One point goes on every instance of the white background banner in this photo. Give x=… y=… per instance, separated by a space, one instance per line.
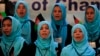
x=74 y=7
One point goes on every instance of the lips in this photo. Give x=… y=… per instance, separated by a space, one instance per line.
x=44 y=34
x=57 y=16
x=21 y=13
x=90 y=18
x=78 y=37
x=6 y=32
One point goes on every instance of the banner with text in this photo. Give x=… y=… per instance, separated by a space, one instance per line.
x=74 y=7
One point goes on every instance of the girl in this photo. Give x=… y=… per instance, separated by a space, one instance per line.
x=79 y=45
x=44 y=45
x=27 y=25
x=62 y=30
x=92 y=24
x=12 y=44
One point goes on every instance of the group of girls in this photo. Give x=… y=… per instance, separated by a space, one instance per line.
x=58 y=38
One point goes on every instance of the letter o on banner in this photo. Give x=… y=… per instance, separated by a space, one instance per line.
x=34 y=7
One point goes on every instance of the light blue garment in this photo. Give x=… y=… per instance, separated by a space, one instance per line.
x=62 y=32
x=13 y=40
x=25 y=23
x=46 y=46
x=93 y=27
x=82 y=47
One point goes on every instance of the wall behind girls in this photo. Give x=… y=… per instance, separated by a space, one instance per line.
x=74 y=7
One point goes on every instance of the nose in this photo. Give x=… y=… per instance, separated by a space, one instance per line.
x=89 y=14
x=57 y=12
x=44 y=30
x=77 y=33
x=21 y=9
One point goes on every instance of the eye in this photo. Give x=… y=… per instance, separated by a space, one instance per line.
x=92 y=12
x=41 y=28
x=46 y=27
x=59 y=11
x=54 y=11
x=80 y=31
x=9 y=25
x=23 y=7
x=74 y=31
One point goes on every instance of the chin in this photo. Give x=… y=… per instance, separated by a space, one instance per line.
x=78 y=40
x=44 y=37
x=57 y=19
x=7 y=34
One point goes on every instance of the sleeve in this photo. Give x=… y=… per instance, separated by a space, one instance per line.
x=1 y=53
x=24 y=51
x=32 y=49
x=33 y=32
x=58 y=50
x=69 y=38
x=98 y=51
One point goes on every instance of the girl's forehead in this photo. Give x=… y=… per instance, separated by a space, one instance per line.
x=90 y=8
x=56 y=6
x=8 y=20
x=45 y=25
x=78 y=29
x=21 y=4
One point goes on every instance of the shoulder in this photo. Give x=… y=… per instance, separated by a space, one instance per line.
x=32 y=22
x=25 y=44
x=19 y=42
x=32 y=49
x=1 y=52
x=66 y=50
x=55 y=44
x=90 y=50
x=24 y=50
x=20 y=39
x=68 y=47
x=69 y=26
x=32 y=45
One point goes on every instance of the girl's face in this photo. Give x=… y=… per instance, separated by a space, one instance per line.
x=44 y=31
x=90 y=14
x=57 y=13
x=21 y=10
x=7 y=27
x=78 y=35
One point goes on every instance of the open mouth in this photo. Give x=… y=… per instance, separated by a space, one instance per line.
x=6 y=32
x=89 y=18
x=78 y=37
x=21 y=13
x=44 y=34
x=57 y=16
